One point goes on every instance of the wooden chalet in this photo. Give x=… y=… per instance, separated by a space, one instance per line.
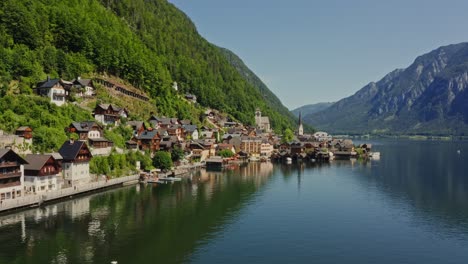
x=41 y=172
x=190 y=131
x=100 y=143
x=138 y=127
x=109 y=114
x=131 y=144
x=175 y=130
x=86 y=129
x=24 y=131
x=83 y=87
x=11 y=174
x=148 y=140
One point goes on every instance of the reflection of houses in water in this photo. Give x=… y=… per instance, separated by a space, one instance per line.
x=258 y=172
x=77 y=207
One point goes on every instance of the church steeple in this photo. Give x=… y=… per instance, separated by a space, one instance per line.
x=300 y=129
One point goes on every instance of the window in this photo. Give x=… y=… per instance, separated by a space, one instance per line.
x=18 y=194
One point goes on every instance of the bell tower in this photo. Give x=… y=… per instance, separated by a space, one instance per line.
x=300 y=128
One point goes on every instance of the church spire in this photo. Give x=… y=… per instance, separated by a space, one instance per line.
x=300 y=129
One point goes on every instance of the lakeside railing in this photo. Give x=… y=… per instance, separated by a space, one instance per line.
x=36 y=199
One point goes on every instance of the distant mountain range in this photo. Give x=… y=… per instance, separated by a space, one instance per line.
x=310 y=109
x=428 y=97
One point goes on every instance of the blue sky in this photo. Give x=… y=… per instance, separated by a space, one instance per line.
x=322 y=51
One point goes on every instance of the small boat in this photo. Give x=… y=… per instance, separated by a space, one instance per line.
x=288 y=160
x=374 y=155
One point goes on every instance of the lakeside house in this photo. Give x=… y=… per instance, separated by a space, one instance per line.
x=41 y=173
x=75 y=164
x=11 y=174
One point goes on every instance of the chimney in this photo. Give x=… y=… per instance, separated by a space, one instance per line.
x=78 y=78
x=72 y=141
x=48 y=78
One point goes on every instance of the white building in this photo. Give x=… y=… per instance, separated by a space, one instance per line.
x=75 y=165
x=266 y=149
x=322 y=136
x=41 y=173
x=262 y=122
x=55 y=89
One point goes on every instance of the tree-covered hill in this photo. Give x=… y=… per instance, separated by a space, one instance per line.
x=269 y=97
x=149 y=43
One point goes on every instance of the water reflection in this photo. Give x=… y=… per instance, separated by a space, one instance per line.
x=429 y=176
x=135 y=224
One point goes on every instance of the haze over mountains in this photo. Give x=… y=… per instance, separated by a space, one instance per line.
x=428 y=97
x=311 y=108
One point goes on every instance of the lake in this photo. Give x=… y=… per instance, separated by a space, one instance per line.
x=411 y=206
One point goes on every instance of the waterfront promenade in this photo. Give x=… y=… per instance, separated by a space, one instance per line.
x=37 y=199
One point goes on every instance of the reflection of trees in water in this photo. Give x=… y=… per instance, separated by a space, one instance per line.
x=134 y=226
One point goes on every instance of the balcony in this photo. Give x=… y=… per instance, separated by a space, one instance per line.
x=9 y=175
x=6 y=164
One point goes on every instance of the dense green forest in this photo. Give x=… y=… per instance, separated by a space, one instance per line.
x=149 y=43
x=47 y=120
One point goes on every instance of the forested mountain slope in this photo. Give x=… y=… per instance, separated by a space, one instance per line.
x=149 y=43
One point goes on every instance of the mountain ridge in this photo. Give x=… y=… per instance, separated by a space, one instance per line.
x=427 y=97
x=311 y=108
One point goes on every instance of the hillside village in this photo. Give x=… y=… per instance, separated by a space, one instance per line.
x=25 y=173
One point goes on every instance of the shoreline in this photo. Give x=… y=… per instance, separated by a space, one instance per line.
x=36 y=200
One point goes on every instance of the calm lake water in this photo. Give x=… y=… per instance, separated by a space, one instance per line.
x=411 y=206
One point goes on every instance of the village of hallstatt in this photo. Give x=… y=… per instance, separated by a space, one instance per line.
x=31 y=179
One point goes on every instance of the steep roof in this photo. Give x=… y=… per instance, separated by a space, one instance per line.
x=36 y=161
x=70 y=149
x=148 y=134
x=106 y=106
x=49 y=83
x=82 y=82
x=189 y=128
x=135 y=124
x=84 y=126
x=8 y=152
